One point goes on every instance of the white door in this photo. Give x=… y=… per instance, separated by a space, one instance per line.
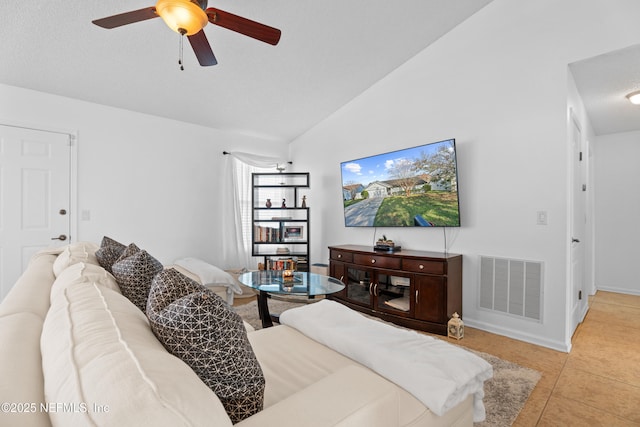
x=578 y=295
x=34 y=197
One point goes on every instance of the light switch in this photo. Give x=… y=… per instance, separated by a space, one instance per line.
x=542 y=217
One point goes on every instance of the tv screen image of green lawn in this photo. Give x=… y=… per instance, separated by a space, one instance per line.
x=405 y=188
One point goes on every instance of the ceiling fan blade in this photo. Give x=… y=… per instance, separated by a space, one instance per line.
x=126 y=18
x=244 y=26
x=202 y=49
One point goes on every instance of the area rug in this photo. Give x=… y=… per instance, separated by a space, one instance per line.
x=505 y=394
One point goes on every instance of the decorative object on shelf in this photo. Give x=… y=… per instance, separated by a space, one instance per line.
x=280 y=168
x=304 y=201
x=268 y=204
x=293 y=232
x=455 y=327
x=284 y=203
x=388 y=245
x=384 y=241
x=282 y=251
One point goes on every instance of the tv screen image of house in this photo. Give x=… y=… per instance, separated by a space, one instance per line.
x=412 y=187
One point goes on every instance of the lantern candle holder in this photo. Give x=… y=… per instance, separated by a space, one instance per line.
x=455 y=327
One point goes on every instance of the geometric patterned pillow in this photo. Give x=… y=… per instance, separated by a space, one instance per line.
x=109 y=252
x=168 y=286
x=134 y=275
x=132 y=249
x=202 y=330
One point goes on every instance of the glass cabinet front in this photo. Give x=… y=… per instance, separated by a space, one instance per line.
x=392 y=293
x=378 y=290
x=358 y=284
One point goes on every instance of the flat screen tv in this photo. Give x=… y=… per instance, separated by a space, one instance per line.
x=413 y=187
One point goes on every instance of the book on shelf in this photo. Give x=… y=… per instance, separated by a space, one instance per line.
x=266 y=234
x=281 y=264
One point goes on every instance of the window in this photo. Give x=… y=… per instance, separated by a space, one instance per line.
x=243 y=176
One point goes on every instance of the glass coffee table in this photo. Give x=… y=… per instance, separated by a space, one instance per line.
x=301 y=284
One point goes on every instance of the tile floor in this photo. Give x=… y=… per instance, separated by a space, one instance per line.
x=597 y=384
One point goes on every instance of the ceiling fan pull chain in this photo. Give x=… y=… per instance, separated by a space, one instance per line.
x=180 y=52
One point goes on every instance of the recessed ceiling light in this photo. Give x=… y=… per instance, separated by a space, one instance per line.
x=634 y=97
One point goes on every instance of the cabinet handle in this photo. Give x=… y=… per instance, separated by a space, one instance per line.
x=375 y=289
x=373 y=261
x=339 y=256
x=341 y=277
x=370 y=284
x=421 y=267
x=417 y=296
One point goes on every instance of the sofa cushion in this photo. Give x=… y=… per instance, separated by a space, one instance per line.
x=74 y=253
x=98 y=349
x=31 y=290
x=350 y=397
x=83 y=273
x=21 y=371
x=109 y=252
x=205 y=333
x=134 y=274
x=298 y=362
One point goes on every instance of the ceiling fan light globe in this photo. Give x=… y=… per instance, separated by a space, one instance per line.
x=182 y=16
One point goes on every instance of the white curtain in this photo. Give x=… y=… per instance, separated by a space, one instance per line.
x=236 y=213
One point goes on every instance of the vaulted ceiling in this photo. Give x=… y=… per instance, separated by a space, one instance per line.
x=329 y=53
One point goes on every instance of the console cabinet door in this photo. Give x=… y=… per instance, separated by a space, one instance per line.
x=430 y=298
x=358 y=283
x=339 y=271
x=392 y=293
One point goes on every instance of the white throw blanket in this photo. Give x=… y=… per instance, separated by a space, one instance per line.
x=437 y=373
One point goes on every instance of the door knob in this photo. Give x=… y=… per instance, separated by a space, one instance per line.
x=62 y=237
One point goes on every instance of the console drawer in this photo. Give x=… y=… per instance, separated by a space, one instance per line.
x=422 y=266
x=341 y=255
x=377 y=261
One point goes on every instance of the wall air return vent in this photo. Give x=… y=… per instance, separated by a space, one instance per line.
x=511 y=286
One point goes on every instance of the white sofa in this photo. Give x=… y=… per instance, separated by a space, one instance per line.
x=76 y=352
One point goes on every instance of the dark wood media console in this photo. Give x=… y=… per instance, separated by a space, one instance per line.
x=417 y=289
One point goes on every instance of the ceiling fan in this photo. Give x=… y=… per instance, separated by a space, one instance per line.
x=188 y=17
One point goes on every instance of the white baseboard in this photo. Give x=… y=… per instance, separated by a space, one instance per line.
x=518 y=335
